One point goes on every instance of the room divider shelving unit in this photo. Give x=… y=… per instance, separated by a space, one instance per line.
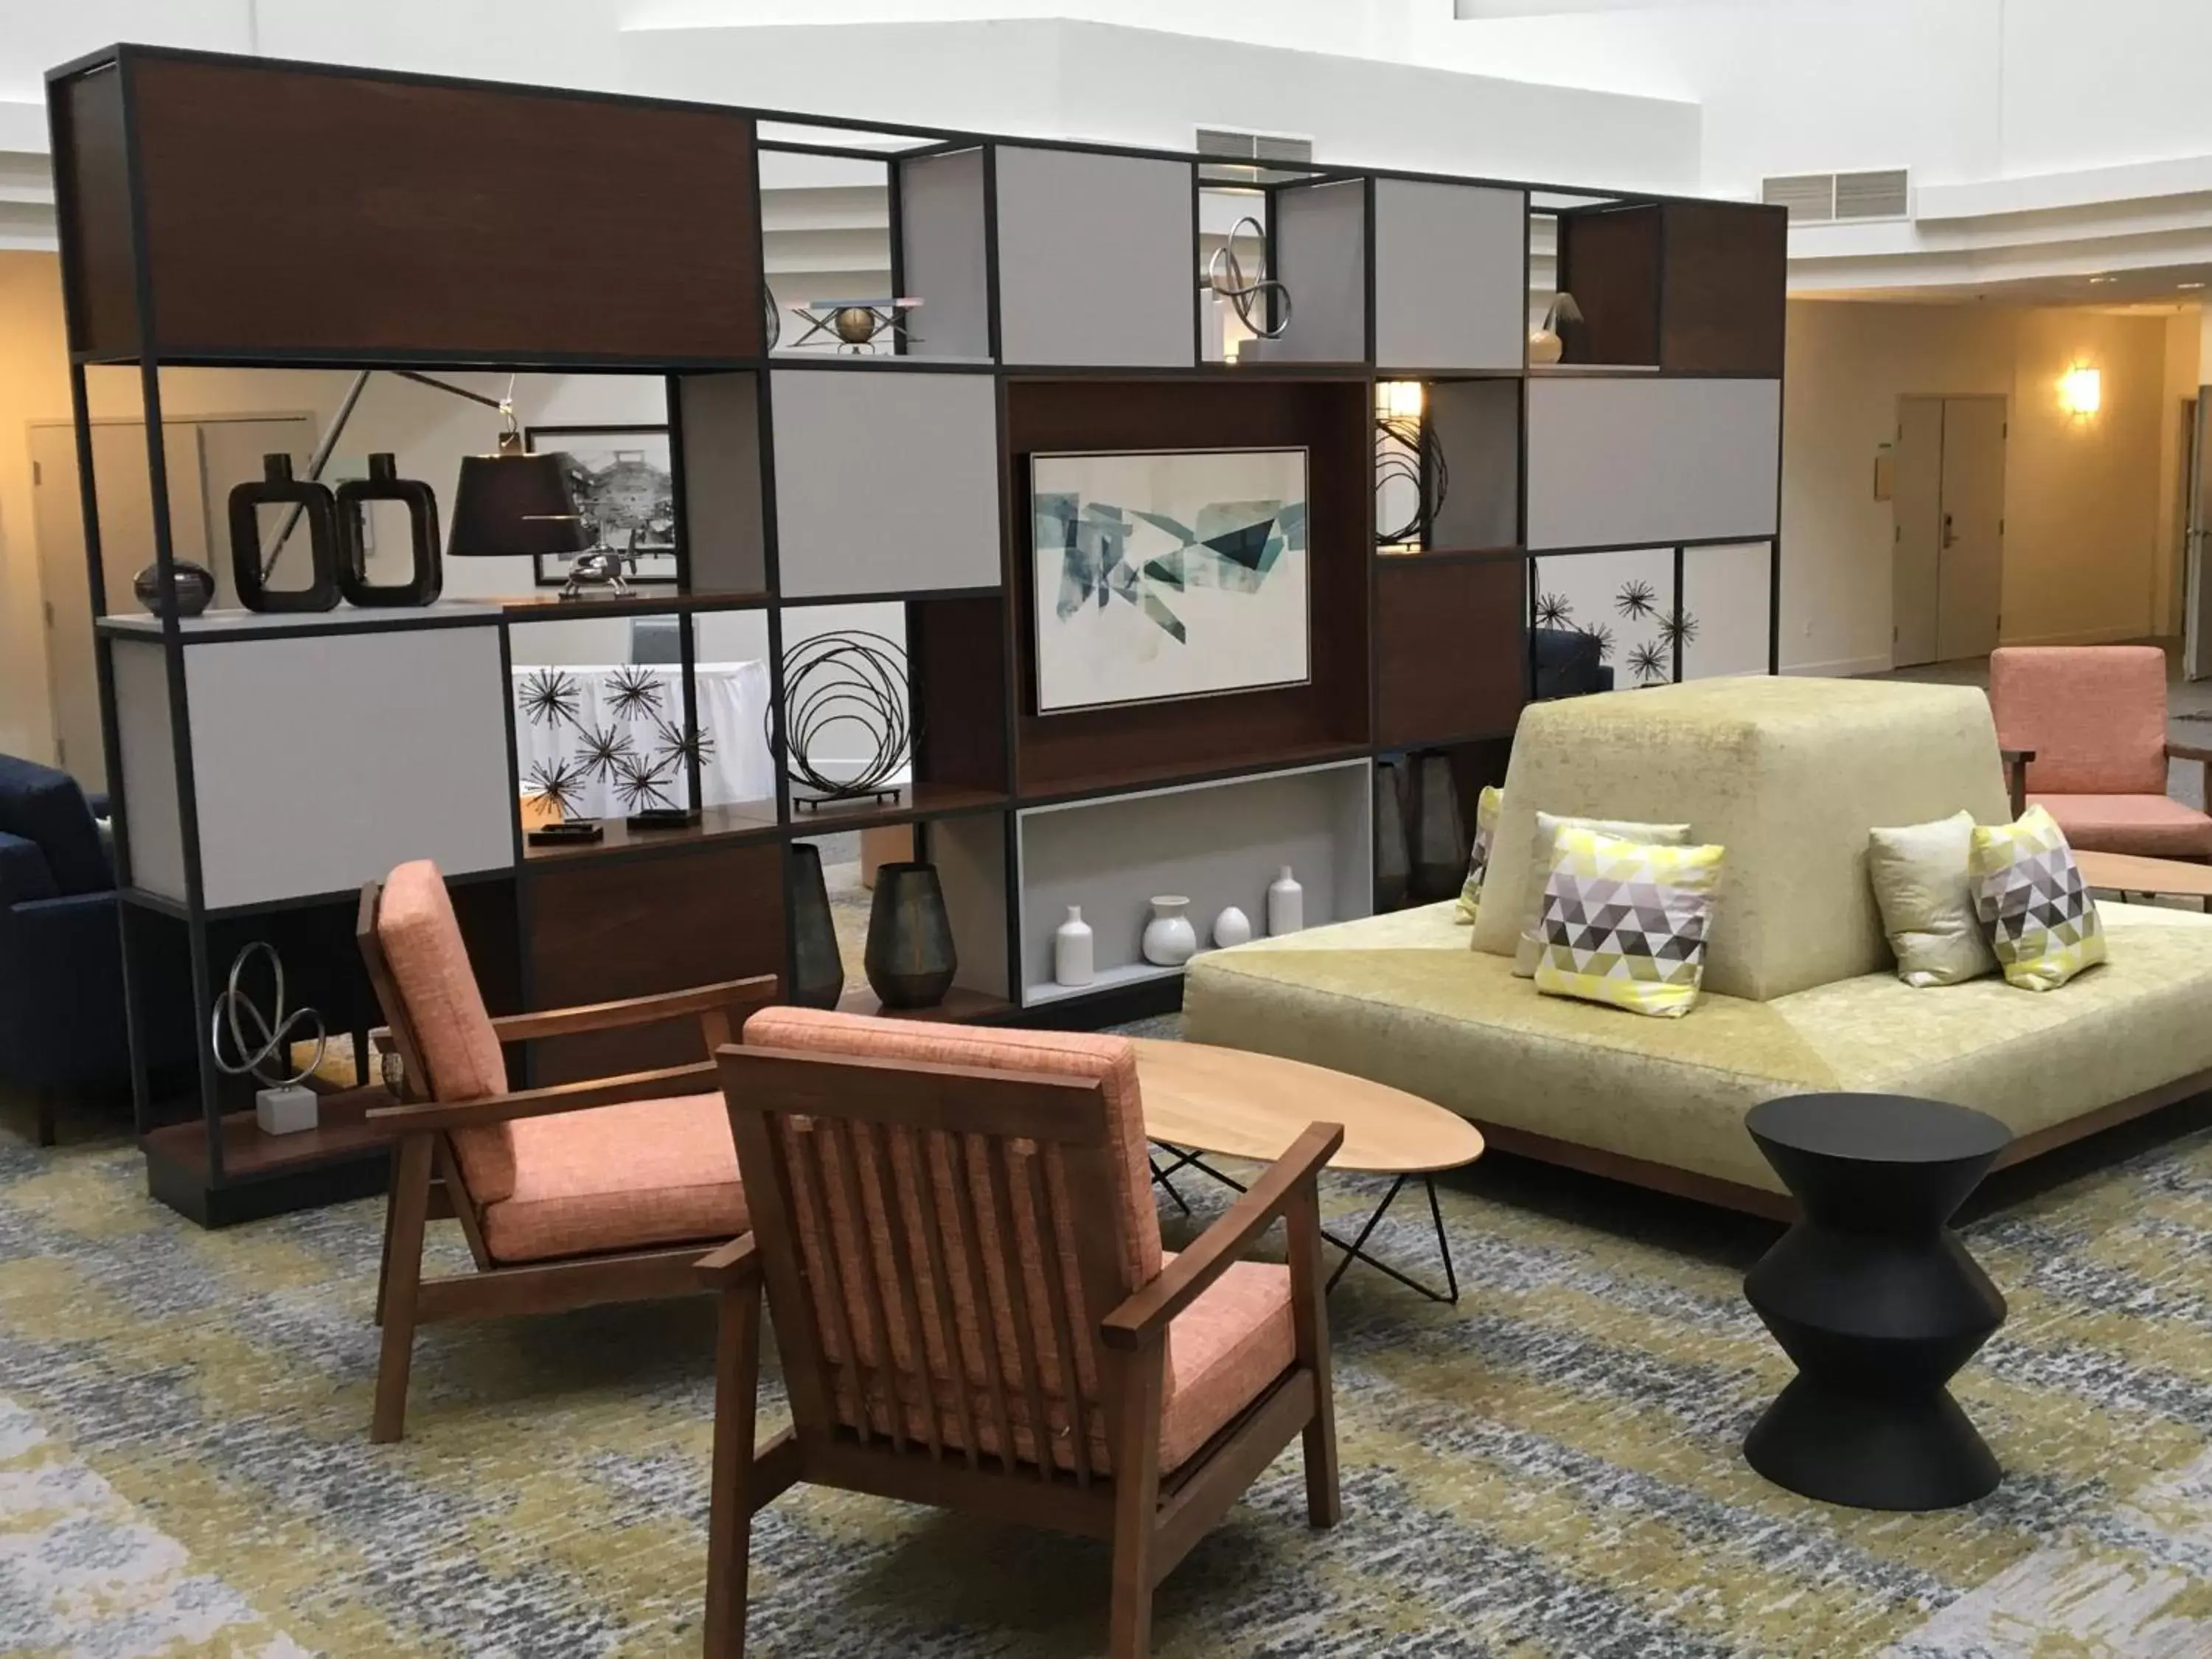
x=230 y=211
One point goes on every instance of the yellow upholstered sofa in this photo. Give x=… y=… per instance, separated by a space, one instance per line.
x=1800 y=991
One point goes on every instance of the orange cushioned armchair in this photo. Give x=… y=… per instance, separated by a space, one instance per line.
x=583 y=1192
x=956 y=1234
x=2084 y=732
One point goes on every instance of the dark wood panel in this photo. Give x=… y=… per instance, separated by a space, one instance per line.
x=293 y=210
x=1332 y=420
x=1609 y=261
x=91 y=201
x=630 y=927
x=1451 y=645
x=1726 y=288
x=957 y=650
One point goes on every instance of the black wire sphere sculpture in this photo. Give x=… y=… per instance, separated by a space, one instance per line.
x=849 y=678
x=1407 y=452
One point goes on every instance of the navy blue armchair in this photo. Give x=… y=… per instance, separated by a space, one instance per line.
x=61 y=944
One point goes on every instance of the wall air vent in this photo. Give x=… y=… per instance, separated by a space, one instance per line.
x=1815 y=198
x=1887 y=194
x=1254 y=150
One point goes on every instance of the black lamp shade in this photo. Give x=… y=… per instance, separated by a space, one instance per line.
x=514 y=505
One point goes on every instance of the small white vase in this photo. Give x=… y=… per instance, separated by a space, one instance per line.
x=1287 y=905
x=1170 y=939
x=1071 y=949
x=1231 y=927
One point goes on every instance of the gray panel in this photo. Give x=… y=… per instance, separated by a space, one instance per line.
x=1476 y=425
x=722 y=507
x=970 y=856
x=885 y=481
x=1615 y=461
x=149 y=768
x=321 y=763
x=1097 y=259
x=943 y=258
x=1321 y=255
x=1450 y=285
x=1216 y=844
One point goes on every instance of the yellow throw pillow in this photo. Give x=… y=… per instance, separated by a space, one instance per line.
x=2029 y=898
x=1530 y=949
x=1625 y=922
x=1486 y=830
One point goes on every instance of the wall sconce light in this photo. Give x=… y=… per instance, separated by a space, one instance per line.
x=1398 y=399
x=2082 y=391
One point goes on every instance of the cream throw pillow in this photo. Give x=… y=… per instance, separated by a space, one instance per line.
x=1530 y=950
x=1487 y=805
x=1920 y=881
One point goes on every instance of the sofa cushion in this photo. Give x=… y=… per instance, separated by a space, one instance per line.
x=1230 y=1343
x=25 y=874
x=619 y=1177
x=1919 y=875
x=47 y=806
x=1624 y=922
x=2093 y=714
x=2028 y=893
x=2153 y=826
x=1789 y=775
x=1528 y=949
x=1400 y=999
x=429 y=962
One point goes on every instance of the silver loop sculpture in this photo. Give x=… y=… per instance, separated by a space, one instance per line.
x=1225 y=274
x=273 y=1037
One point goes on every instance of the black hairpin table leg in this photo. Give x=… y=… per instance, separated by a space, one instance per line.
x=1357 y=1249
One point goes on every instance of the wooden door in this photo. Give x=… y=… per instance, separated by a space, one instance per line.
x=1916 y=507
x=1970 y=571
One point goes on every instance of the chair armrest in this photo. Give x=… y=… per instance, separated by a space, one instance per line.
x=2189 y=751
x=637 y=1010
x=1145 y=1316
x=736 y=1263
x=440 y=1117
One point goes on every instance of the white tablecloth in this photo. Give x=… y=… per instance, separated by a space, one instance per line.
x=573 y=712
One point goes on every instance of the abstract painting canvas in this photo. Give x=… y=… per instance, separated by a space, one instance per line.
x=1167 y=574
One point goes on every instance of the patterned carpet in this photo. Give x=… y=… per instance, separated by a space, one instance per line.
x=1550 y=1468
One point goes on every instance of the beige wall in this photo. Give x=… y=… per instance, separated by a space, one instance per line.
x=2089 y=529
x=33 y=385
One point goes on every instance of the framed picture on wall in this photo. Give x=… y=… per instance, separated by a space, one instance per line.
x=1169 y=573
x=625 y=489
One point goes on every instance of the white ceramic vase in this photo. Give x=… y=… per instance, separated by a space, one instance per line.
x=1287 y=905
x=1071 y=949
x=1231 y=927
x=1170 y=939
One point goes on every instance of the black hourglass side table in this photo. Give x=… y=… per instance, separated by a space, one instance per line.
x=1876 y=1299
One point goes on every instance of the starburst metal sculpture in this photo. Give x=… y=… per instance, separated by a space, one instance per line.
x=557 y=783
x=1637 y=600
x=1602 y=636
x=1554 y=611
x=675 y=747
x=1649 y=663
x=634 y=693
x=642 y=784
x=549 y=696
x=604 y=748
x=1677 y=628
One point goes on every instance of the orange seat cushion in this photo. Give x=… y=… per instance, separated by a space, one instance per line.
x=619 y=1178
x=2153 y=826
x=1222 y=1350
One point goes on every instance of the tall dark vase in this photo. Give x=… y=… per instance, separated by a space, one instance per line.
x=278 y=488
x=818 y=971
x=1439 y=834
x=1393 y=867
x=384 y=483
x=910 y=958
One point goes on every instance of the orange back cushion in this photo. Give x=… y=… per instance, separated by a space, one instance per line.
x=1109 y=1060
x=429 y=962
x=2094 y=716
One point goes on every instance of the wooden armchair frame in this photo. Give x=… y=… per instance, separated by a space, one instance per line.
x=1151 y=1522
x=427 y=1184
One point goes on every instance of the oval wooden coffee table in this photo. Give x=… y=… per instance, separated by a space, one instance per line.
x=1202 y=1101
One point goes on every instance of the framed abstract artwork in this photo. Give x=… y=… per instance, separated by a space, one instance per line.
x=625 y=490
x=1164 y=574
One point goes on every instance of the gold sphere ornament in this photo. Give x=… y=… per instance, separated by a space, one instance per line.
x=855 y=325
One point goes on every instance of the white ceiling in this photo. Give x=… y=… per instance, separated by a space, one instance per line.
x=2159 y=289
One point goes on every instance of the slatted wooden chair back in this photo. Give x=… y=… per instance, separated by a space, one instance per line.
x=938 y=1243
